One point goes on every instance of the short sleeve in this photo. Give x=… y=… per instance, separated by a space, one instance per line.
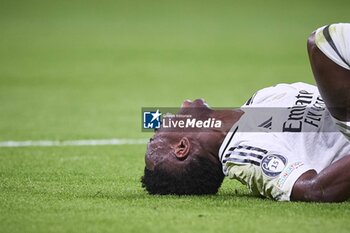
x=334 y=41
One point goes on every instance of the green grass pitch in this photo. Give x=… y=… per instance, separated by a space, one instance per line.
x=73 y=70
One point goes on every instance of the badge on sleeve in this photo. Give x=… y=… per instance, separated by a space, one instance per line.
x=273 y=164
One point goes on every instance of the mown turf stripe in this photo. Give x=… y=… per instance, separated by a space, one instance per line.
x=90 y=142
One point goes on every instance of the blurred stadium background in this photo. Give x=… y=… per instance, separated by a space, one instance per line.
x=72 y=70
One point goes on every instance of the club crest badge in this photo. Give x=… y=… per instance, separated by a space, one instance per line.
x=273 y=164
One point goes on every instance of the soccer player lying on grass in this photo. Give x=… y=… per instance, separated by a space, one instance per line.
x=303 y=155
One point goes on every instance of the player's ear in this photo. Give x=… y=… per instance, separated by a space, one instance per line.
x=182 y=149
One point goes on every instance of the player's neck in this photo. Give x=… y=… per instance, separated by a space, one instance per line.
x=228 y=118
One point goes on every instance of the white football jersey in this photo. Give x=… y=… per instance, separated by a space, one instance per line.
x=285 y=131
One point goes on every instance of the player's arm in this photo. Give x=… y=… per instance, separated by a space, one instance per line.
x=331 y=68
x=331 y=185
x=330 y=62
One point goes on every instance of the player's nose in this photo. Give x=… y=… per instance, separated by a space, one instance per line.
x=199 y=102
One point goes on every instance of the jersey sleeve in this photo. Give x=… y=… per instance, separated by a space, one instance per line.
x=269 y=173
x=334 y=41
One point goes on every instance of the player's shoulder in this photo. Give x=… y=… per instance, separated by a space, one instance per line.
x=276 y=92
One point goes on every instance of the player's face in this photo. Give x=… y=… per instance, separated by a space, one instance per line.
x=175 y=148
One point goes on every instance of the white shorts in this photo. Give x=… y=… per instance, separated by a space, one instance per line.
x=334 y=41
